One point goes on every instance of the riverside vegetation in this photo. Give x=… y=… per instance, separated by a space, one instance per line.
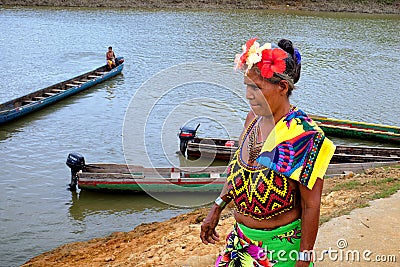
x=359 y=6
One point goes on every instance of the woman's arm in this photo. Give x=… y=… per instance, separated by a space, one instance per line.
x=310 y=205
x=208 y=232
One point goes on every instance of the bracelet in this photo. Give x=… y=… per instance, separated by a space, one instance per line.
x=220 y=202
x=304 y=255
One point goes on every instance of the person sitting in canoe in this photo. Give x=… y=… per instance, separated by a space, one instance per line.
x=275 y=177
x=111 y=58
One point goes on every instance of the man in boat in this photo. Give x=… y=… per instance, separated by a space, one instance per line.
x=275 y=176
x=111 y=58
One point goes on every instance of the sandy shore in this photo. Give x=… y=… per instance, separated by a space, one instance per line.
x=359 y=6
x=366 y=237
x=176 y=242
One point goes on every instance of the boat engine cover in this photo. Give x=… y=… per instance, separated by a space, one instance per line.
x=75 y=161
x=187 y=133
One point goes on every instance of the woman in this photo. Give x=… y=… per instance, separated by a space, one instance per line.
x=275 y=176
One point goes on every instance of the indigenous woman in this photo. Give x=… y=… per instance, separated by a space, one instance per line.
x=275 y=176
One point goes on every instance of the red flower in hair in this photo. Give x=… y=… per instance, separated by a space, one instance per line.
x=272 y=61
x=246 y=48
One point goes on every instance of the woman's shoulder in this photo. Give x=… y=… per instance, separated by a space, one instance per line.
x=304 y=121
x=249 y=118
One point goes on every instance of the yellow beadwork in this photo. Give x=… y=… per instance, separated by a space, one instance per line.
x=259 y=203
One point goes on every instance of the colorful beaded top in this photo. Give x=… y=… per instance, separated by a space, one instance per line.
x=296 y=149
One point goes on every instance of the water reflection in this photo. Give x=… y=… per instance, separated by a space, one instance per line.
x=113 y=84
x=86 y=203
x=16 y=127
x=89 y=203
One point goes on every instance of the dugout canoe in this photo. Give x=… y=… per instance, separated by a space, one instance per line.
x=223 y=149
x=356 y=129
x=111 y=177
x=29 y=103
x=131 y=178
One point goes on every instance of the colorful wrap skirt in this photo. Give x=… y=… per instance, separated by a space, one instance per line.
x=248 y=247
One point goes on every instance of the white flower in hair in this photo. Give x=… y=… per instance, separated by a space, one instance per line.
x=254 y=54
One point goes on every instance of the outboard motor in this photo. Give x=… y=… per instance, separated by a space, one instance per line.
x=187 y=134
x=119 y=61
x=76 y=162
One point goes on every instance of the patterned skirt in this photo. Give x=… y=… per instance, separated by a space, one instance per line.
x=248 y=247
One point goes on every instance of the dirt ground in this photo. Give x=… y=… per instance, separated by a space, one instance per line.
x=176 y=242
x=366 y=237
x=359 y=6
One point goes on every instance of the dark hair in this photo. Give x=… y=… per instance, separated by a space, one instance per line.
x=293 y=63
x=110 y=47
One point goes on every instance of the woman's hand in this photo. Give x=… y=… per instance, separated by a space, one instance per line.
x=208 y=232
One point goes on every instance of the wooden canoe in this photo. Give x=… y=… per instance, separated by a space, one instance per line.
x=122 y=177
x=360 y=130
x=136 y=179
x=29 y=103
x=223 y=149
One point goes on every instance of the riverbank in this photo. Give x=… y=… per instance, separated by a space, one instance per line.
x=359 y=6
x=176 y=242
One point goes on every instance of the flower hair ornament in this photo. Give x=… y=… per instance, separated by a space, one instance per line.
x=268 y=59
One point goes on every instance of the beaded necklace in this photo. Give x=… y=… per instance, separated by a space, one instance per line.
x=254 y=146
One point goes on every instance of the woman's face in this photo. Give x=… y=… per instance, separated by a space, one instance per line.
x=264 y=97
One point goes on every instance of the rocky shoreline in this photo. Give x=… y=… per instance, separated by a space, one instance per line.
x=358 y=6
x=176 y=242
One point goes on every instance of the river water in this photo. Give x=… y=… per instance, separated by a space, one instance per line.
x=350 y=71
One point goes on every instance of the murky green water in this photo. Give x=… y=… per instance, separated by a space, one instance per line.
x=350 y=71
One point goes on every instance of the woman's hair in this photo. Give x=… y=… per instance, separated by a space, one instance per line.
x=293 y=66
x=293 y=63
x=272 y=62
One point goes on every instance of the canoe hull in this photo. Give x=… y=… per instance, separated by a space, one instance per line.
x=20 y=111
x=152 y=186
x=359 y=130
x=121 y=177
x=214 y=149
x=116 y=179
x=350 y=133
